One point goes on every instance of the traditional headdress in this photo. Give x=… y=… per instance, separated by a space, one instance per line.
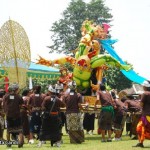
x=13 y=87
x=146 y=84
x=52 y=89
x=72 y=85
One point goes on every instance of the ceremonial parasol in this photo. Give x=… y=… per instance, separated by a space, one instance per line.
x=15 y=54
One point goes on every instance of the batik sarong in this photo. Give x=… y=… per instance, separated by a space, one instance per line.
x=75 y=127
x=119 y=122
x=2 y=123
x=14 y=125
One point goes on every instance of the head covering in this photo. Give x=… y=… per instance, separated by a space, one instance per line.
x=52 y=89
x=146 y=83
x=140 y=92
x=72 y=85
x=2 y=93
x=58 y=87
x=13 y=87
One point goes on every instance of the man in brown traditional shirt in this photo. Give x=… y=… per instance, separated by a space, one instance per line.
x=35 y=105
x=51 y=122
x=133 y=105
x=73 y=102
x=11 y=103
x=107 y=112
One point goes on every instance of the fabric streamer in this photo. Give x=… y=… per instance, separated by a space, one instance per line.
x=131 y=75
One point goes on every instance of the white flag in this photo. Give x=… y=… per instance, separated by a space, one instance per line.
x=30 y=83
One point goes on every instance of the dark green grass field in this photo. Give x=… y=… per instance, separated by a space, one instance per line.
x=92 y=142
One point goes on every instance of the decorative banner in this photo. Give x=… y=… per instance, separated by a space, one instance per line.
x=15 y=54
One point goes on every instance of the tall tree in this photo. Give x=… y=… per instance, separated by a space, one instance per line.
x=67 y=31
x=116 y=80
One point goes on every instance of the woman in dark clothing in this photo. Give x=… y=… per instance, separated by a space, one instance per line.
x=51 y=122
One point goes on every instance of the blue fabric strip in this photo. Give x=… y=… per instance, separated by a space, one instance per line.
x=131 y=75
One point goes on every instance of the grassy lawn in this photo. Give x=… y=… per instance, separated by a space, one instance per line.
x=92 y=142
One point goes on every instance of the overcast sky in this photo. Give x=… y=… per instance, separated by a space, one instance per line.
x=131 y=26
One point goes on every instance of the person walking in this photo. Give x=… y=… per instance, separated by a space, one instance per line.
x=107 y=112
x=51 y=122
x=73 y=102
x=12 y=102
x=35 y=105
x=120 y=112
x=88 y=122
x=25 y=113
x=134 y=107
x=143 y=127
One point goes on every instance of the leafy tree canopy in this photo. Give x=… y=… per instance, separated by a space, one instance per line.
x=67 y=31
x=116 y=80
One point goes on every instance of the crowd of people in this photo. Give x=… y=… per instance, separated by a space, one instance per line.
x=33 y=114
